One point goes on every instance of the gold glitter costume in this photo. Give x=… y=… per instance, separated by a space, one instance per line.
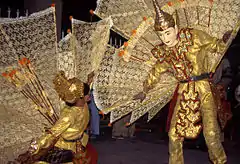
x=188 y=58
x=68 y=132
x=71 y=125
x=73 y=120
x=30 y=57
x=195 y=100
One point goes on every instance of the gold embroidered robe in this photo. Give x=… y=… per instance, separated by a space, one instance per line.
x=196 y=53
x=71 y=125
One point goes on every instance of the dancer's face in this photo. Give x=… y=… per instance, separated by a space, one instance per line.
x=169 y=36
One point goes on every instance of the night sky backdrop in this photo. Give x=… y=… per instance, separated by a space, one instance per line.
x=79 y=9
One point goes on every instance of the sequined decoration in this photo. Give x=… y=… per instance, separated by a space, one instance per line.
x=189 y=114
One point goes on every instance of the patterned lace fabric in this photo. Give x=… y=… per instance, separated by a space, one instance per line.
x=66 y=56
x=127 y=16
x=90 y=40
x=33 y=37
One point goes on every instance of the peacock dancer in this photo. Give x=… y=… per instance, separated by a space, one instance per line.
x=30 y=58
x=183 y=65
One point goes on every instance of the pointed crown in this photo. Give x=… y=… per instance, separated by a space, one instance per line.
x=163 y=20
x=69 y=90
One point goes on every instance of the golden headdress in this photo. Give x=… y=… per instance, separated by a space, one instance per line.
x=163 y=20
x=69 y=90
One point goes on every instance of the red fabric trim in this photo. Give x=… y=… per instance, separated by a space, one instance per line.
x=171 y=109
x=91 y=152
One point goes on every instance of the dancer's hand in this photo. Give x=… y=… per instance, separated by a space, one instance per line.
x=90 y=77
x=140 y=96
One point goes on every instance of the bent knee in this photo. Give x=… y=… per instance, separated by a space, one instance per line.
x=211 y=136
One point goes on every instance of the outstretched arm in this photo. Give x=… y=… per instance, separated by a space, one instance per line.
x=152 y=80
x=154 y=76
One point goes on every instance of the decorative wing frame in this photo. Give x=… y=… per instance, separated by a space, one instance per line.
x=32 y=38
x=90 y=42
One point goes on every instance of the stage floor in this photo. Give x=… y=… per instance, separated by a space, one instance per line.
x=147 y=148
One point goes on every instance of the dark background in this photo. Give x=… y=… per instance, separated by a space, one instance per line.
x=79 y=9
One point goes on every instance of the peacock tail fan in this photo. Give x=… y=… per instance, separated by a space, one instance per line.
x=66 y=56
x=28 y=53
x=89 y=44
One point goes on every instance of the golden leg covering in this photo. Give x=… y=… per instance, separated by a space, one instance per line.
x=212 y=131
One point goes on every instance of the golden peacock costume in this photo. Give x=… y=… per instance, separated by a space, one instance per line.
x=68 y=133
x=193 y=99
x=181 y=72
x=30 y=58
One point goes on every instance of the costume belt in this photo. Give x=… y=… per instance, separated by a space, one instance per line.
x=197 y=78
x=79 y=147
